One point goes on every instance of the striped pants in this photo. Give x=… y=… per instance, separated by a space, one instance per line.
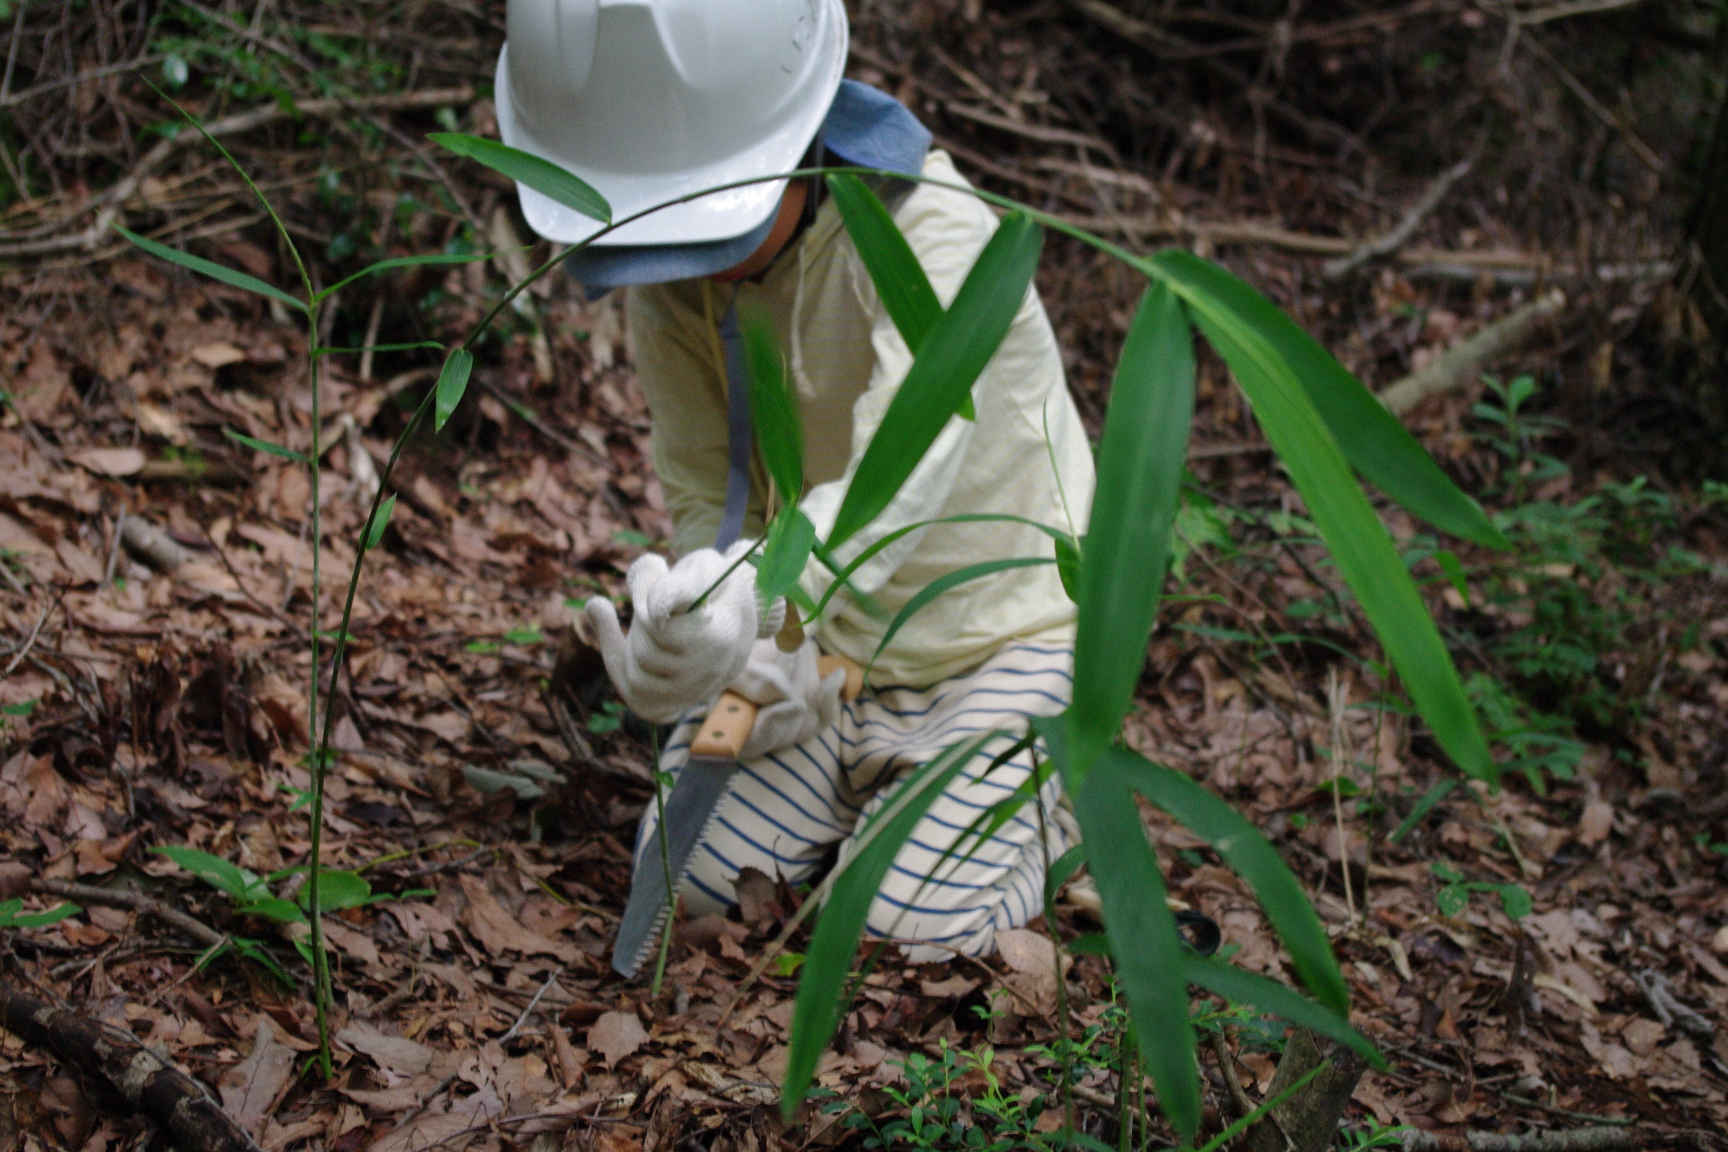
x=784 y=811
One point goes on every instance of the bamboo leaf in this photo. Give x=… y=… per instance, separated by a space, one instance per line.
x=1245 y=987
x=404 y=262
x=900 y=280
x=785 y=553
x=853 y=889
x=1246 y=851
x=543 y=176
x=779 y=434
x=945 y=582
x=12 y=914
x=1374 y=441
x=258 y=445
x=1140 y=461
x=380 y=522
x=211 y=269
x=1358 y=542
x=452 y=383
x=1143 y=936
x=948 y=363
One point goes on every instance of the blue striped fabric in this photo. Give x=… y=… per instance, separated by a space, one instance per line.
x=785 y=811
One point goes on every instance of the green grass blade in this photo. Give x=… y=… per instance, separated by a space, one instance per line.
x=452 y=383
x=942 y=584
x=1430 y=798
x=1248 y=988
x=1357 y=540
x=843 y=574
x=947 y=365
x=852 y=890
x=211 y=269
x=779 y=433
x=258 y=445
x=404 y=262
x=1140 y=462
x=1246 y=851
x=543 y=176
x=415 y=346
x=899 y=278
x=1143 y=939
x=1374 y=441
x=785 y=552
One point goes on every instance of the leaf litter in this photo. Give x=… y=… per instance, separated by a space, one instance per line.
x=148 y=703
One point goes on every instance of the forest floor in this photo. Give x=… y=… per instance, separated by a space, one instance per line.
x=1548 y=955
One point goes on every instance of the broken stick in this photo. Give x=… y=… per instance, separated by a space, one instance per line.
x=1459 y=365
x=146 y=1081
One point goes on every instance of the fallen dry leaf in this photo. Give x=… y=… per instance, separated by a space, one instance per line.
x=251 y=1086
x=217 y=354
x=616 y=1035
x=1596 y=822
x=500 y=932
x=109 y=461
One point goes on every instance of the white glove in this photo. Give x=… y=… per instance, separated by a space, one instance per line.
x=797 y=702
x=673 y=659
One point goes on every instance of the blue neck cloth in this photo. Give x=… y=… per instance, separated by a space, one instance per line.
x=864 y=127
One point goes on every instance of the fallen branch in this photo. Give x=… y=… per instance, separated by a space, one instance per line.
x=133 y=902
x=1459 y=365
x=1401 y=232
x=147 y=1082
x=1572 y=1140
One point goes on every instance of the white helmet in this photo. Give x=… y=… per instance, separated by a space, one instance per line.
x=648 y=100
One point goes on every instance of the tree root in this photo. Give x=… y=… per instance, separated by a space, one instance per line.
x=147 y=1082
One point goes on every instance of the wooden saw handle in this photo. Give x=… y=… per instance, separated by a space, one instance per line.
x=731 y=719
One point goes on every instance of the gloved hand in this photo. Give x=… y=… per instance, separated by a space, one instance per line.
x=673 y=659
x=797 y=702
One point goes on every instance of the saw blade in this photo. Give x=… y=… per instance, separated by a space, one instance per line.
x=690 y=809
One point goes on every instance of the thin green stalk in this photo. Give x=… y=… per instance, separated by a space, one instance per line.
x=321 y=993
x=708 y=591
x=1056 y=954
x=660 y=783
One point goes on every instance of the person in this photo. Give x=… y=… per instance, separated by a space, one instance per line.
x=651 y=101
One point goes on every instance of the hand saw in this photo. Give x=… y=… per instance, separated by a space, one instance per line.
x=690 y=810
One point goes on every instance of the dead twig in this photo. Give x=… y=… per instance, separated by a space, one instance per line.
x=1227 y=1066
x=109 y=202
x=532 y=1004
x=42 y=618
x=1458 y=366
x=1400 y=233
x=1601 y=111
x=134 y=902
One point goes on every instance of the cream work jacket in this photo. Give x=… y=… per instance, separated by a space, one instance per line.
x=1026 y=454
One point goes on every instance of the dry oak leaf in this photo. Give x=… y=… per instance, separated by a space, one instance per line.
x=251 y=1086
x=1032 y=957
x=498 y=931
x=109 y=461
x=616 y=1035
x=395 y=1054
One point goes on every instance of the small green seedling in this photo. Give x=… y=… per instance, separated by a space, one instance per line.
x=1455 y=891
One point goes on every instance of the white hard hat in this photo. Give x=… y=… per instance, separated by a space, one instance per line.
x=648 y=100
